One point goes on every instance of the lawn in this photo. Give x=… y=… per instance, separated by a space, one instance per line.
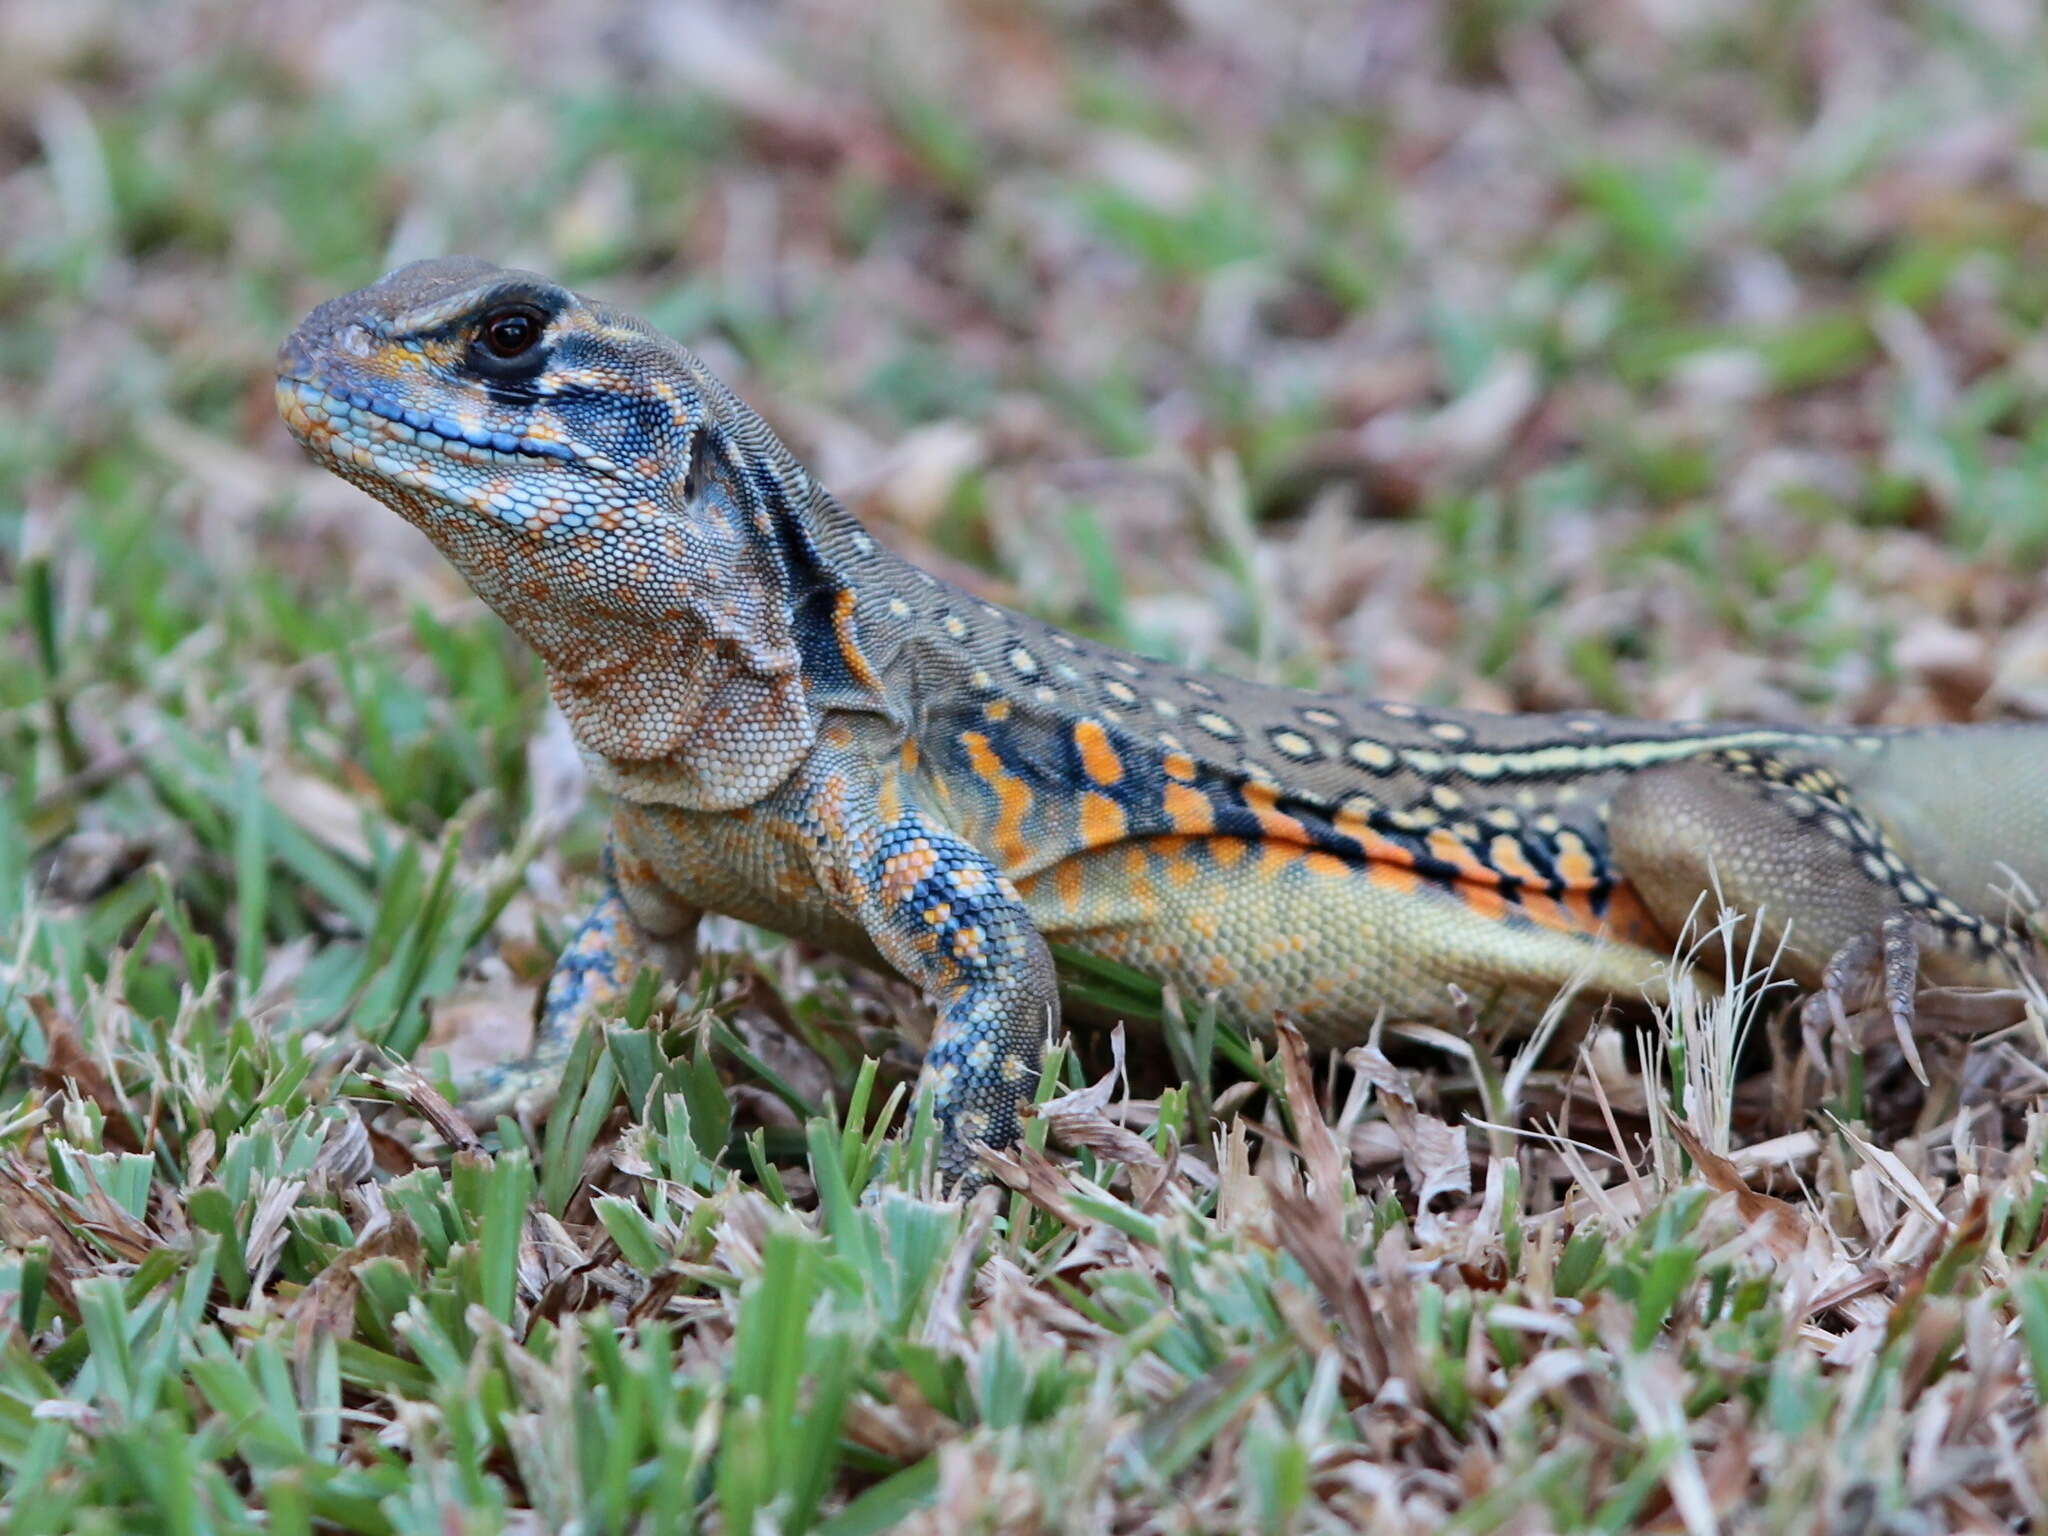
x=1530 y=354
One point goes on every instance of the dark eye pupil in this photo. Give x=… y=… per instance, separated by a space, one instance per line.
x=510 y=335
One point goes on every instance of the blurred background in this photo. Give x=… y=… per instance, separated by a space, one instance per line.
x=1522 y=353
x=1669 y=356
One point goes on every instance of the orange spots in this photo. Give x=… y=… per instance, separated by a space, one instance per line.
x=1098 y=758
x=1188 y=810
x=1574 y=860
x=1220 y=971
x=1102 y=820
x=1180 y=869
x=1325 y=864
x=849 y=642
x=836 y=735
x=997 y=710
x=889 y=801
x=1204 y=924
x=1377 y=846
x=1261 y=800
x=1508 y=857
x=1068 y=884
x=1348 y=823
x=903 y=872
x=1013 y=797
x=829 y=805
x=1274 y=857
x=1178 y=765
x=1453 y=850
x=1228 y=852
x=910 y=757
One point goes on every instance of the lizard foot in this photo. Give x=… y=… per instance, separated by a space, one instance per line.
x=1888 y=959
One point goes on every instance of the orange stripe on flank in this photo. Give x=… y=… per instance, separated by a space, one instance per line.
x=1453 y=850
x=1381 y=849
x=1575 y=862
x=1511 y=860
x=1625 y=921
x=1178 y=765
x=1262 y=801
x=1188 y=811
x=1098 y=758
x=1013 y=798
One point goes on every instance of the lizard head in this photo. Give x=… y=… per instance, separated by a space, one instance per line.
x=592 y=481
x=469 y=396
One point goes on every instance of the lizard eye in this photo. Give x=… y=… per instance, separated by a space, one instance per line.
x=511 y=333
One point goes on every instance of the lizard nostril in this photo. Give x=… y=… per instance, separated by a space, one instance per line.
x=294 y=358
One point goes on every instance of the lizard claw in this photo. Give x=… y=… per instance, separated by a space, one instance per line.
x=1891 y=956
x=1901 y=941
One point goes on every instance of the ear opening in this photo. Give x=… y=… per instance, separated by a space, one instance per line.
x=693 y=467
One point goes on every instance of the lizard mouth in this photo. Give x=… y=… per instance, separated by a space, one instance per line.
x=355 y=425
x=414 y=461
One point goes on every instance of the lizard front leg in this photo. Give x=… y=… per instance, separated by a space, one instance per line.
x=941 y=913
x=636 y=922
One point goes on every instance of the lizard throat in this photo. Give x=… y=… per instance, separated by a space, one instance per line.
x=664 y=629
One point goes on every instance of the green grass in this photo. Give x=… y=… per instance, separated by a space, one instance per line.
x=1524 y=355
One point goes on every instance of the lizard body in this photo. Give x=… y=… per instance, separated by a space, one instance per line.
x=801 y=729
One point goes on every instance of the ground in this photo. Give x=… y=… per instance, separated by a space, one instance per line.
x=1522 y=353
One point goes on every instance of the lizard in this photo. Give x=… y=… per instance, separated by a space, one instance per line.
x=802 y=729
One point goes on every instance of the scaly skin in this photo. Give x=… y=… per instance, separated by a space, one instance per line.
x=803 y=730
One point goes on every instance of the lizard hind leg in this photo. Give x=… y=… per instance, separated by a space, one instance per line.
x=1817 y=881
x=634 y=924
